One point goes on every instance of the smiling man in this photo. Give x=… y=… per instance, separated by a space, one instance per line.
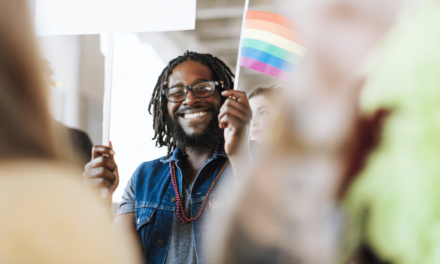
x=204 y=125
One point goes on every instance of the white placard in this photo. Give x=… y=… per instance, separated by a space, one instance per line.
x=82 y=17
x=155 y=15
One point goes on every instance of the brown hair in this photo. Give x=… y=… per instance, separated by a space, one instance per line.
x=273 y=92
x=25 y=123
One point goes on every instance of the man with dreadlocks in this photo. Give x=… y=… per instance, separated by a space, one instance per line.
x=204 y=125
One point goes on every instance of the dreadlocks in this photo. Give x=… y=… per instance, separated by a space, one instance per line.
x=220 y=72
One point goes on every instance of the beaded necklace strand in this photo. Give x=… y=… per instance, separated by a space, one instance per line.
x=180 y=211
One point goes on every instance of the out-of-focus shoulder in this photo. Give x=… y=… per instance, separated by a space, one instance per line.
x=49 y=216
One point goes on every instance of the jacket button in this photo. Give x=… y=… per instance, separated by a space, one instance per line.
x=173 y=199
x=161 y=242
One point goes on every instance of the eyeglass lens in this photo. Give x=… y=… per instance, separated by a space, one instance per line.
x=201 y=90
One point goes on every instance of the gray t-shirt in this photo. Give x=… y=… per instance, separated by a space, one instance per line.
x=182 y=248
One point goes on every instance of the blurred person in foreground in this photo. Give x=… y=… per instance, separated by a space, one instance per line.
x=204 y=124
x=289 y=205
x=47 y=214
x=397 y=197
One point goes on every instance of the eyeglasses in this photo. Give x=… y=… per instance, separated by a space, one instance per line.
x=200 y=90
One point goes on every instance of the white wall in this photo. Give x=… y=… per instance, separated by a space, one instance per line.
x=78 y=64
x=92 y=87
x=63 y=54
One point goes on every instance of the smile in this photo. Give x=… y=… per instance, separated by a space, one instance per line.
x=194 y=115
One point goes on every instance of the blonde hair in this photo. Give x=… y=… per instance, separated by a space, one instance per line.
x=274 y=92
x=25 y=123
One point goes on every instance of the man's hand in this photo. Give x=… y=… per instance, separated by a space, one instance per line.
x=235 y=116
x=102 y=171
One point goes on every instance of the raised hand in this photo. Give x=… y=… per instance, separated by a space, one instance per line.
x=102 y=171
x=235 y=116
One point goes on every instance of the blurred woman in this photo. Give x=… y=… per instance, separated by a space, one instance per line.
x=47 y=215
x=265 y=103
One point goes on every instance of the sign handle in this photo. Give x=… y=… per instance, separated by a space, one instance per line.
x=107 y=97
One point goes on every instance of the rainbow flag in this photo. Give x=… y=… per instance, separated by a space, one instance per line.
x=271 y=45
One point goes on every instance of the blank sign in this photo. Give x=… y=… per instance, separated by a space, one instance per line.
x=82 y=17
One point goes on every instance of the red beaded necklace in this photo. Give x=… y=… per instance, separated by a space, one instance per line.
x=180 y=211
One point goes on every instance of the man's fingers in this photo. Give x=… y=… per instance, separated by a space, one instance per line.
x=102 y=161
x=230 y=110
x=230 y=121
x=234 y=103
x=236 y=93
x=100 y=172
x=100 y=150
x=98 y=182
x=234 y=108
x=239 y=95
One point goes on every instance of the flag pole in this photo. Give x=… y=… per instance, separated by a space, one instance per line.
x=107 y=97
x=237 y=69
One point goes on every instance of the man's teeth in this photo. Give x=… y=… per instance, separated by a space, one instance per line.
x=194 y=115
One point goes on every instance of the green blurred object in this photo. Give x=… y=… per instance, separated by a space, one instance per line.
x=397 y=196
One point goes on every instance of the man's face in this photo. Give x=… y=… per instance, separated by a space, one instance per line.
x=193 y=114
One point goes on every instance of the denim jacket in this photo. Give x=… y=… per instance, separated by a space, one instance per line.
x=155 y=201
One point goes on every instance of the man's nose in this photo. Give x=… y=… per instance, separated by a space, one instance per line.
x=191 y=99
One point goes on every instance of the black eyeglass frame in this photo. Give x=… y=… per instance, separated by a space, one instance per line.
x=190 y=87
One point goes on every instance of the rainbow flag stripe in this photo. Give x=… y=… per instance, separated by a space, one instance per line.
x=271 y=45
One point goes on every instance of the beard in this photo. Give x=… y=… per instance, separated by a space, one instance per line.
x=202 y=141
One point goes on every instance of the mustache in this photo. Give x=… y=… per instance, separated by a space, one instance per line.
x=183 y=111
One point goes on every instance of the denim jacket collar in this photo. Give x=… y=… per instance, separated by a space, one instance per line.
x=174 y=157
x=178 y=153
